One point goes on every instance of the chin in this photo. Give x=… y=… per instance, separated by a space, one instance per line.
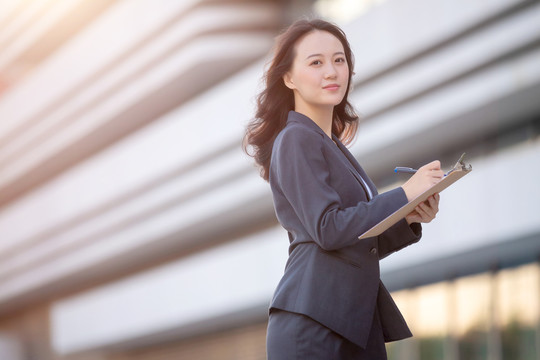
x=333 y=102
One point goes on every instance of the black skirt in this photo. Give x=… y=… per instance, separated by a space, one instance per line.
x=294 y=336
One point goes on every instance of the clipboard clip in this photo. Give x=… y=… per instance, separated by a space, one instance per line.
x=460 y=165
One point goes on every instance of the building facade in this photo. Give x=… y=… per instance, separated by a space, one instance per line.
x=132 y=225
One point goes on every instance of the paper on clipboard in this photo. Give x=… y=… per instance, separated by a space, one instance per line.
x=456 y=173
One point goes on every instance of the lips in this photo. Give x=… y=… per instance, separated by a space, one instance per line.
x=331 y=87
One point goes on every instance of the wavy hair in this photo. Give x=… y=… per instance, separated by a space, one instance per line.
x=276 y=100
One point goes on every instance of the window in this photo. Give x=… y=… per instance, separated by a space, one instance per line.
x=494 y=315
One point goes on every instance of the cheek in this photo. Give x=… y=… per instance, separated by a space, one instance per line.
x=310 y=77
x=307 y=81
x=346 y=79
x=345 y=72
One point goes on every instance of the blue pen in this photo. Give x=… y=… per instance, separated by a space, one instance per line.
x=406 y=170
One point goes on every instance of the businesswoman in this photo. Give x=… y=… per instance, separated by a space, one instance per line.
x=330 y=303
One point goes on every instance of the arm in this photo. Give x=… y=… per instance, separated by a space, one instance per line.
x=397 y=237
x=300 y=172
x=408 y=231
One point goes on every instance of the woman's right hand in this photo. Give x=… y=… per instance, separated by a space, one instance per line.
x=427 y=176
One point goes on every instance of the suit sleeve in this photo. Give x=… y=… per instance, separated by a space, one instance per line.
x=300 y=172
x=398 y=236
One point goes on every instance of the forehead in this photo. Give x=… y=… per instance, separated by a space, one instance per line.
x=318 y=42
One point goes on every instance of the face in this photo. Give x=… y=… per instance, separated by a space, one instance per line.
x=320 y=74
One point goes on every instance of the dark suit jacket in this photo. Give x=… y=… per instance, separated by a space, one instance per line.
x=319 y=198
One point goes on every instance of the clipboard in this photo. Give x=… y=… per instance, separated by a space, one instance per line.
x=457 y=172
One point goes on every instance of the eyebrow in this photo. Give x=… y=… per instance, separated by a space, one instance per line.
x=337 y=53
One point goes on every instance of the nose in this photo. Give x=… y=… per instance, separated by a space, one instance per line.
x=330 y=71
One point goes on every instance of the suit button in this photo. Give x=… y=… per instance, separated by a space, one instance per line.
x=373 y=251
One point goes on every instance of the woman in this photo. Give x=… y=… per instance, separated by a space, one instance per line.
x=330 y=303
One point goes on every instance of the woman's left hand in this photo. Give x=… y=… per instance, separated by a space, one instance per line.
x=424 y=212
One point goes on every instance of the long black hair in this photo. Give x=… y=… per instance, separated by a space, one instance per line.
x=276 y=100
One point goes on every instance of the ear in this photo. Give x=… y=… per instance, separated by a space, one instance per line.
x=287 y=80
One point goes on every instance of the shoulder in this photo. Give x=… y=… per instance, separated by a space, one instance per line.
x=297 y=148
x=296 y=135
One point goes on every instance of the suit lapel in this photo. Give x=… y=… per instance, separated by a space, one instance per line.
x=341 y=151
x=355 y=167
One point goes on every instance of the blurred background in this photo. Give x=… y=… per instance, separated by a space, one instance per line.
x=132 y=226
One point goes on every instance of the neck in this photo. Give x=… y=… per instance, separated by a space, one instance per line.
x=322 y=116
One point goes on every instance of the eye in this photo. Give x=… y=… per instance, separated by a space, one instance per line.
x=316 y=62
x=340 y=60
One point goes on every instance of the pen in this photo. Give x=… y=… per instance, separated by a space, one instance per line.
x=406 y=170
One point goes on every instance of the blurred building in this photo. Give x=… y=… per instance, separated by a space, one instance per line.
x=132 y=226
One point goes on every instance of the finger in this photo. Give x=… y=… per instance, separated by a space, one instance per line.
x=437 y=199
x=415 y=214
x=423 y=215
x=426 y=206
x=430 y=206
x=439 y=174
x=433 y=208
x=427 y=212
x=414 y=218
x=434 y=165
x=433 y=203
